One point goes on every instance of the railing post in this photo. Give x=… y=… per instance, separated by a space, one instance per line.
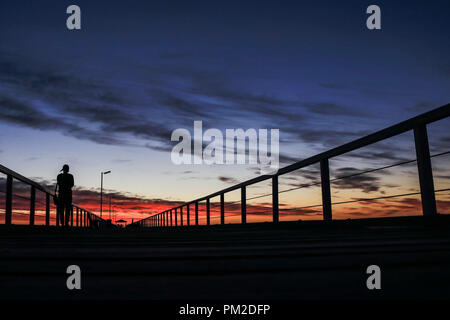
x=8 y=207
x=32 y=205
x=167 y=218
x=171 y=218
x=57 y=216
x=181 y=216
x=196 y=213
x=425 y=171
x=243 y=205
x=176 y=218
x=208 y=212
x=326 y=193
x=188 y=218
x=222 y=208
x=47 y=209
x=78 y=213
x=71 y=216
x=275 y=205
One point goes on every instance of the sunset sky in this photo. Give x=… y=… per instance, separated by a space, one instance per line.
x=108 y=96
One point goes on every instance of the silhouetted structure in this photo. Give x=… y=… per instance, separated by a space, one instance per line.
x=80 y=217
x=416 y=124
x=64 y=187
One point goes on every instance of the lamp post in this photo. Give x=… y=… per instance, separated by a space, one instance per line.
x=101 y=192
x=110 y=207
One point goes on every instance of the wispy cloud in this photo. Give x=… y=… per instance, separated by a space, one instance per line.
x=106 y=112
x=334 y=109
x=229 y=180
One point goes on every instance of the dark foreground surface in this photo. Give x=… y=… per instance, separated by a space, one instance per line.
x=292 y=261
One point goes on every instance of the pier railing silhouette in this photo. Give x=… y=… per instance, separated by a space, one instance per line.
x=416 y=124
x=80 y=217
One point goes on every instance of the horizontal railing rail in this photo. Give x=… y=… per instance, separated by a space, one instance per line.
x=79 y=217
x=416 y=124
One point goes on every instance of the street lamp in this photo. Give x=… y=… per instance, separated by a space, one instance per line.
x=101 y=192
x=110 y=207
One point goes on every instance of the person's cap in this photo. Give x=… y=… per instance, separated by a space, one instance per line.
x=65 y=167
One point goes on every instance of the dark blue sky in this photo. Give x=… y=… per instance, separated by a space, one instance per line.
x=139 y=69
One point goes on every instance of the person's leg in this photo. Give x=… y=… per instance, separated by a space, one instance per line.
x=60 y=214
x=68 y=213
x=64 y=211
x=57 y=214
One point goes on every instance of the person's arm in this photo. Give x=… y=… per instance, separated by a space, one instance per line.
x=56 y=185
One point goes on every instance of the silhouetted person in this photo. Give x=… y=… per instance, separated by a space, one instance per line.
x=64 y=186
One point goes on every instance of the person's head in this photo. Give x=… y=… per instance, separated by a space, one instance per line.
x=65 y=168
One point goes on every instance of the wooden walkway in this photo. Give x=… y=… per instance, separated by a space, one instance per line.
x=305 y=260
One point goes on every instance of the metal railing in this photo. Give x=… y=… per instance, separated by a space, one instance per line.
x=80 y=217
x=417 y=124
